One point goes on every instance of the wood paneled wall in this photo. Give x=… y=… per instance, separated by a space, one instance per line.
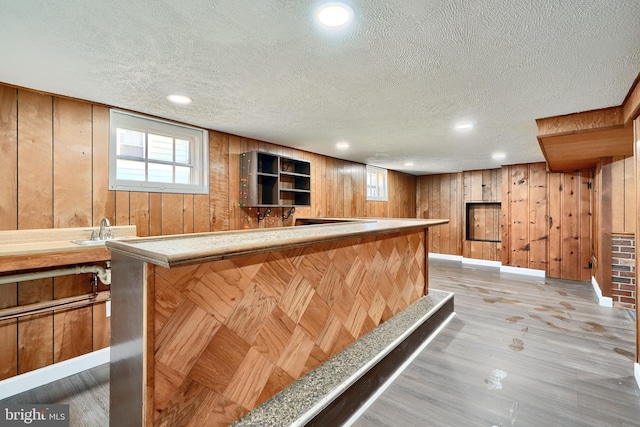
x=445 y=196
x=623 y=195
x=47 y=181
x=440 y=196
x=570 y=240
x=54 y=173
x=524 y=192
x=524 y=216
x=482 y=186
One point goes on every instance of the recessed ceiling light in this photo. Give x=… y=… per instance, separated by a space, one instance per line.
x=463 y=126
x=342 y=145
x=408 y=164
x=335 y=15
x=179 y=99
x=499 y=156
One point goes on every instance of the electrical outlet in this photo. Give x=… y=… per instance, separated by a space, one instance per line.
x=108 y=308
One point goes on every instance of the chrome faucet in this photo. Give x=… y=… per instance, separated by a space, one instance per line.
x=103 y=233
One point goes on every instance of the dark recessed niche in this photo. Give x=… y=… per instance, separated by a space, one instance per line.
x=483 y=221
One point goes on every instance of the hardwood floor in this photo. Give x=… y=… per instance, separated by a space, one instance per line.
x=86 y=393
x=522 y=351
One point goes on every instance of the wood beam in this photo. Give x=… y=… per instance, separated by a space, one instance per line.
x=631 y=104
x=580 y=122
x=582 y=150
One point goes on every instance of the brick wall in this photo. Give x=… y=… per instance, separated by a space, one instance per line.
x=623 y=282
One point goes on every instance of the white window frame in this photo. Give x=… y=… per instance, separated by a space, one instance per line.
x=377 y=184
x=199 y=154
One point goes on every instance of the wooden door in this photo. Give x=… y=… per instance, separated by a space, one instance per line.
x=569 y=248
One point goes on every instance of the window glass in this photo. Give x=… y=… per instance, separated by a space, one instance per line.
x=376 y=184
x=152 y=155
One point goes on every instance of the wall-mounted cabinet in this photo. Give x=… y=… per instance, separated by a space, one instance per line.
x=268 y=180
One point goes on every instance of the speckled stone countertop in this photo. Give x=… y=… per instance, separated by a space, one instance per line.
x=170 y=251
x=301 y=401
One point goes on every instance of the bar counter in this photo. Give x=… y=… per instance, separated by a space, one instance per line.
x=206 y=327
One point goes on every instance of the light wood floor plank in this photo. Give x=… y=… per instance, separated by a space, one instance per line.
x=522 y=351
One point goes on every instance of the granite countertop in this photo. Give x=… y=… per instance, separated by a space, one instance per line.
x=175 y=250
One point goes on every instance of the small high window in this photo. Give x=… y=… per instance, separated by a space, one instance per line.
x=153 y=155
x=376 y=184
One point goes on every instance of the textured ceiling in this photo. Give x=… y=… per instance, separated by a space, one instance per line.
x=392 y=84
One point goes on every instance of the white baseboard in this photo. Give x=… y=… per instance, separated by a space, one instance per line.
x=522 y=270
x=27 y=381
x=503 y=268
x=445 y=256
x=602 y=300
x=481 y=262
x=636 y=372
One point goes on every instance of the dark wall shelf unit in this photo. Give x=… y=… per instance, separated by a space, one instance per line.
x=269 y=180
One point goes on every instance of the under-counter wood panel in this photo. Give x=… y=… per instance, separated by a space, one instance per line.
x=234 y=332
x=9 y=353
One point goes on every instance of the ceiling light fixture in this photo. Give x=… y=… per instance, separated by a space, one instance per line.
x=408 y=164
x=335 y=15
x=463 y=126
x=179 y=99
x=499 y=156
x=342 y=145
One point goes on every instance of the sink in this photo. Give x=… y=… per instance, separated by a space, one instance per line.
x=95 y=242
x=88 y=242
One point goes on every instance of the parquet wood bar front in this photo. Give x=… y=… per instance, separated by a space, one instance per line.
x=232 y=333
x=224 y=334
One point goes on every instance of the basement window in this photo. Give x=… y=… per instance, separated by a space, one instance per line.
x=157 y=156
x=376 y=184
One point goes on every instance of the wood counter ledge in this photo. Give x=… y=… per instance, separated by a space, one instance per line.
x=205 y=327
x=184 y=249
x=40 y=248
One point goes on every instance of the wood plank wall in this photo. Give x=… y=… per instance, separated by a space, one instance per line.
x=440 y=196
x=40 y=137
x=602 y=223
x=445 y=196
x=54 y=173
x=524 y=216
x=623 y=195
x=524 y=193
x=482 y=186
x=570 y=212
